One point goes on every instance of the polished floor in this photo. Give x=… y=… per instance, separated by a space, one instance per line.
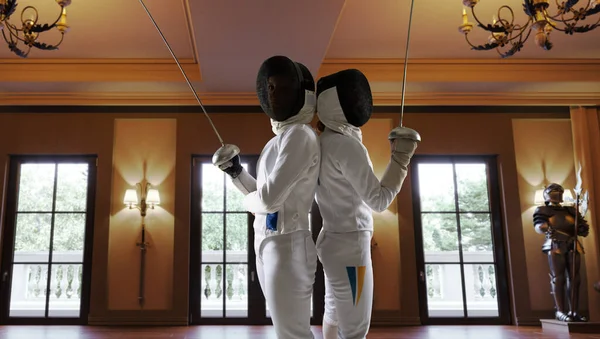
x=266 y=332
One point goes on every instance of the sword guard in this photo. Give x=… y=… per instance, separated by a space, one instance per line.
x=225 y=154
x=404 y=133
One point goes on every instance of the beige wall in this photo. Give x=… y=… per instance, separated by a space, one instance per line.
x=143 y=149
x=167 y=142
x=544 y=155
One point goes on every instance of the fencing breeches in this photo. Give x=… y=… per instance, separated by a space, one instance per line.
x=286 y=266
x=346 y=259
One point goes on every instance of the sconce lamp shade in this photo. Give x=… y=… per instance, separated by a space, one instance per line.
x=131 y=197
x=539 y=197
x=153 y=198
x=568 y=197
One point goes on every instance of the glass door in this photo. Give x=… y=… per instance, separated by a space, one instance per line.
x=461 y=264
x=47 y=240
x=224 y=285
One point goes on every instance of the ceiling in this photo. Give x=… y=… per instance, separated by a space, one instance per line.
x=113 y=54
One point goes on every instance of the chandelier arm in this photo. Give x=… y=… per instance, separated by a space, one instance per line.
x=4 y=36
x=522 y=29
x=479 y=22
x=37 y=15
x=468 y=41
x=39 y=28
x=512 y=14
x=522 y=41
x=15 y=34
x=592 y=26
x=520 y=34
x=54 y=23
x=62 y=37
x=13 y=26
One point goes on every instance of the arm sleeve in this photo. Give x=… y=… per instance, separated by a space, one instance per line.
x=356 y=168
x=244 y=182
x=298 y=151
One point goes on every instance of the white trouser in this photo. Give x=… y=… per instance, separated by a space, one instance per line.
x=346 y=259
x=286 y=266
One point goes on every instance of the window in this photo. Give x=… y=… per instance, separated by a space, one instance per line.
x=224 y=257
x=461 y=255
x=46 y=255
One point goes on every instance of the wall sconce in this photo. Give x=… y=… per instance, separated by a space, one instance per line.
x=149 y=198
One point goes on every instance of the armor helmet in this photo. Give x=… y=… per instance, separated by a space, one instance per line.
x=553 y=193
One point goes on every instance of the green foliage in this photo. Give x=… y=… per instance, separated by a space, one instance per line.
x=36 y=191
x=222 y=205
x=440 y=229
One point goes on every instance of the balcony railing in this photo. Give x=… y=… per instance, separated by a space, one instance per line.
x=444 y=286
x=233 y=298
x=28 y=293
x=29 y=285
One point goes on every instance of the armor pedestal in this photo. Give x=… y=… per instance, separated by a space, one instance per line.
x=562 y=327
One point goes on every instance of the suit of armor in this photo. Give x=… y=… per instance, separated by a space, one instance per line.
x=557 y=222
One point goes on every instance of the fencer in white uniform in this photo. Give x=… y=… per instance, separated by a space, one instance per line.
x=347 y=193
x=282 y=195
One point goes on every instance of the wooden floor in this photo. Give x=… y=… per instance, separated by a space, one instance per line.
x=266 y=332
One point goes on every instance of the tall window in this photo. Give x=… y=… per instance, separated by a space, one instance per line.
x=224 y=246
x=47 y=246
x=462 y=263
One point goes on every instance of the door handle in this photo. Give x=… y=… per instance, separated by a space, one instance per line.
x=4 y=276
x=422 y=276
x=252 y=276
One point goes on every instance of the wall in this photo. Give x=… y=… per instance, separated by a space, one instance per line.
x=585 y=124
x=394 y=257
x=144 y=149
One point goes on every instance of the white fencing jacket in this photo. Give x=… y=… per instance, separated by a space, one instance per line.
x=286 y=178
x=348 y=190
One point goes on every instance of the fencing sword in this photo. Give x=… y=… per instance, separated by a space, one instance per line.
x=227 y=151
x=577 y=190
x=401 y=131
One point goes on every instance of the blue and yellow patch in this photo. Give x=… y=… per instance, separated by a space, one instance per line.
x=356 y=275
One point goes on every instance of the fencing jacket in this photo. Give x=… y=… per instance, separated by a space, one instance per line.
x=286 y=180
x=348 y=190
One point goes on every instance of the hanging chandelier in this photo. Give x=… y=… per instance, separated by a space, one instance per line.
x=30 y=29
x=508 y=38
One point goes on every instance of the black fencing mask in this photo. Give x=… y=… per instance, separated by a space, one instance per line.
x=280 y=85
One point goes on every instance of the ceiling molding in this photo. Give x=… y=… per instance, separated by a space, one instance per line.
x=190 y=26
x=471 y=70
x=250 y=99
x=87 y=61
x=97 y=70
x=376 y=70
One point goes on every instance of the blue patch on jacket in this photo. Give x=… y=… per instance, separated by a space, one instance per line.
x=272 y=221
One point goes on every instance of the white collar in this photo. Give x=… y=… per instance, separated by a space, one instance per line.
x=305 y=116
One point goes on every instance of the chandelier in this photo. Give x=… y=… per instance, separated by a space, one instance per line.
x=508 y=38
x=29 y=31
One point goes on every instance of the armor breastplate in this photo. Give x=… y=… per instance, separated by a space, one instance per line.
x=561 y=231
x=562 y=221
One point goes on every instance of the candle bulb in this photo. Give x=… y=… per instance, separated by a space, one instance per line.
x=464 y=17
x=493 y=20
